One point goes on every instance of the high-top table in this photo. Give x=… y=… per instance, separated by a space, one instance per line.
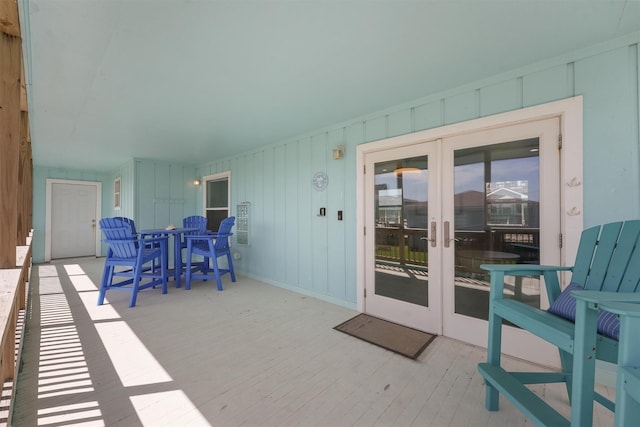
x=177 y=247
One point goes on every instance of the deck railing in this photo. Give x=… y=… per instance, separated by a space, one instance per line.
x=13 y=302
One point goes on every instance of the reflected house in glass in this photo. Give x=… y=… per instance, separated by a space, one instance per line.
x=508 y=204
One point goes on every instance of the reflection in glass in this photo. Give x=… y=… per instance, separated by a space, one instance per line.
x=401 y=213
x=497 y=220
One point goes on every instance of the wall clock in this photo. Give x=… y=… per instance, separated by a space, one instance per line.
x=320 y=181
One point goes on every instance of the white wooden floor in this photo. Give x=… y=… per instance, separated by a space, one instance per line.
x=252 y=355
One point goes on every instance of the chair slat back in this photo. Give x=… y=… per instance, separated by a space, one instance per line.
x=604 y=252
x=120 y=236
x=584 y=256
x=128 y=221
x=622 y=255
x=631 y=279
x=194 y=221
x=608 y=258
x=224 y=231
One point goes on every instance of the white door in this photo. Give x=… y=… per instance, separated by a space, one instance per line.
x=501 y=205
x=436 y=211
x=73 y=217
x=402 y=213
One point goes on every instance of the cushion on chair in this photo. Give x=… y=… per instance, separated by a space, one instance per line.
x=565 y=307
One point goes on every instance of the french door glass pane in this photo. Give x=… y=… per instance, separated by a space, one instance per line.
x=401 y=213
x=497 y=221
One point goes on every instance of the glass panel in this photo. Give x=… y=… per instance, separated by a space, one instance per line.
x=217 y=193
x=214 y=218
x=401 y=207
x=497 y=221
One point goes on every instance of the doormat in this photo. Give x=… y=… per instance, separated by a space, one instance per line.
x=391 y=336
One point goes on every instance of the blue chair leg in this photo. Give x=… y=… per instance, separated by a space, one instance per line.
x=492 y=396
x=584 y=365
x=205 y=267
x=216 y=271
x=187 y=272
x=231 y=272
x=107 y=277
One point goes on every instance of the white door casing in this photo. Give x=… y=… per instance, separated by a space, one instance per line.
x=567 y=216
x=73 y=209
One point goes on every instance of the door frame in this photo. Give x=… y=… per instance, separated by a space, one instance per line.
x=570 y=112
x=47 y=235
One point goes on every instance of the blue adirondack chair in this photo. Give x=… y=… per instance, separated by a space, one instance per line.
x=628 y=382
x=210 y=246
x=607 y=269
x=138 y=255
x=193 y=221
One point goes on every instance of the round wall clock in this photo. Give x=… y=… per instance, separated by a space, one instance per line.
x=320 y=181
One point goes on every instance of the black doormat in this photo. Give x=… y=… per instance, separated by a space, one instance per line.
x=397 y=338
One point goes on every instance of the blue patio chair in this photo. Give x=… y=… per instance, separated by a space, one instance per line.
x=211 y=246
x=138 y=257
x=606 y=270
x=193 y=221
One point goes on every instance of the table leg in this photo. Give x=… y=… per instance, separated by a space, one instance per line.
x=177 y=258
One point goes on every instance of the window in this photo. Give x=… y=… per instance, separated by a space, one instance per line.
x=216 y=199
x=116 y=194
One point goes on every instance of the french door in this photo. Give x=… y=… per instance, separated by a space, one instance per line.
x=437 y=210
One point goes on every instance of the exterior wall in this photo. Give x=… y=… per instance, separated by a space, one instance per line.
x=294 y=248
x=162 y=193
x=291 y=246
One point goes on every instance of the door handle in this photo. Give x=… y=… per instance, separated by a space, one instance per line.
x=447 y=239
x=432 y=234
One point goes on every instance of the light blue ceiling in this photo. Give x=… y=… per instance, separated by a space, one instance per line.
x=196 y=80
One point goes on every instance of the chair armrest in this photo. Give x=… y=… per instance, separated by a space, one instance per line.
x=622 y=308
x=198 y=237
x=151 y=239
x=523 y=269
x=498 y=271
x=599 y=297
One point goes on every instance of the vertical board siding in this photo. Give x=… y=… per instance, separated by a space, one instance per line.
x=306 y=212
x=501 y=97
x=375 y=129
x=259 y=259
x=318 y=242
x=355 y=136
x=460 y=108
x=400 y=123
x=428 y=116
x=547 y=85
x=292 y=247
x=336 y=281
x=268 y=218
x=291 y=209
x=611 y=153
x=279 y=213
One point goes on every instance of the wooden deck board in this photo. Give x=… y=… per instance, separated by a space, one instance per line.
x=252 y=355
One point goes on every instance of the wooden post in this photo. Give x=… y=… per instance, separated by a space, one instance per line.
x=10 y=73
x=25 y=187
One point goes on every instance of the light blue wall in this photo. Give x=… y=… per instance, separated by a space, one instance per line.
x=163 y=193
x=294 y=248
